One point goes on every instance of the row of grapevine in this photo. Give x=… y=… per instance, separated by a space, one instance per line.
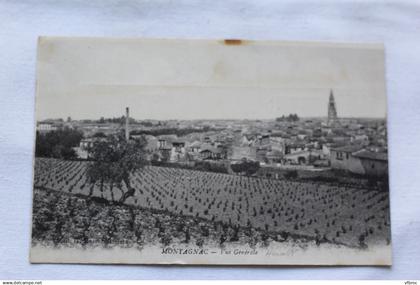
x=343 y=215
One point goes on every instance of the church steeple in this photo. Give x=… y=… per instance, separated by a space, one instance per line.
x=332 y=111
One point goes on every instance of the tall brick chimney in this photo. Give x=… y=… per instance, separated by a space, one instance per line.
x=127 y=122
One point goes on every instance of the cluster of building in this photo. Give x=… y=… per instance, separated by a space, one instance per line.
x=354 y=145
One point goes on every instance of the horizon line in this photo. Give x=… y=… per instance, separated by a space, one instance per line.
x=216 y=119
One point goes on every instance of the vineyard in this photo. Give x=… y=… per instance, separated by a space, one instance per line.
x=322 y=212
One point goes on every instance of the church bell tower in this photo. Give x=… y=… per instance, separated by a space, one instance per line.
x=332 y=111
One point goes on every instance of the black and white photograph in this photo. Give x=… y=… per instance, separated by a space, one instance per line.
x=155 y=151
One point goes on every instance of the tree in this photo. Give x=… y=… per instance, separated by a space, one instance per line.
x=99 y=135
x=114 y=160
x=246 y=166
x=290 y=118
x=293 y=118
x=166 y=155
x=58 y=144
x=291 y=174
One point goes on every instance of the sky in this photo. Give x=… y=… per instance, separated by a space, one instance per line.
x=87 y=78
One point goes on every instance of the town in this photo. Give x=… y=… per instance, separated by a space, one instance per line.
x=309 y=145
x=247 y=181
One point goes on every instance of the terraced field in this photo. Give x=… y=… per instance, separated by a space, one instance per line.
x=342 y=215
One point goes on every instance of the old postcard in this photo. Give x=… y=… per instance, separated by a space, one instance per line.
x=210 y=152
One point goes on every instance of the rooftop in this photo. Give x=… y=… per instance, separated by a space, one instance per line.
x=348 y=148
x=383 y=156
x=211 y=149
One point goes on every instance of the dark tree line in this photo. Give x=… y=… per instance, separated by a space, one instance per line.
x=115 y=120
x=290 y=118
x=246 y=167
x=58 y=144
x=198 y=165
